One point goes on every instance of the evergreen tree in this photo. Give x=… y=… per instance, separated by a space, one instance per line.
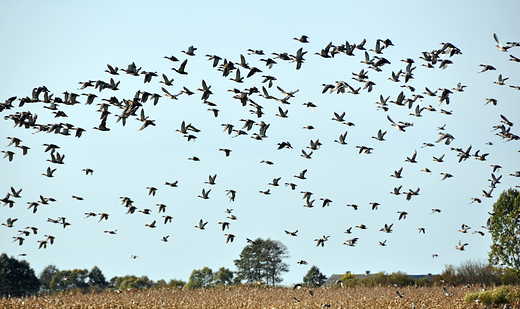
x=96 y=278
x=314 y=277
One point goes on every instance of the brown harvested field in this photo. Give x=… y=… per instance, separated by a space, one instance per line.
x=357 y=297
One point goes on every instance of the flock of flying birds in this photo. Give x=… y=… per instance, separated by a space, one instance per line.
x=238 y=72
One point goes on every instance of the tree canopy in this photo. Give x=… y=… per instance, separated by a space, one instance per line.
x=505 y=230
x=314 y=277
x=200 y=278
x=96 y=277
x=131 y=282
x=46 y=277
x=262 y=260
x=223 y=276
x=17 y=278
x=176 y=283
x=75 y=279
x=65 y=280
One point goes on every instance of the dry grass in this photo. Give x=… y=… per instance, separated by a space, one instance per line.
x=357 y=297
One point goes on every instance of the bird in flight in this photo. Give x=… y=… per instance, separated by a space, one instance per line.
x=201 y=225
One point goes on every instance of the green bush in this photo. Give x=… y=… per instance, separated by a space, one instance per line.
x=501 y=295
x=376 y=279
x=400 y=278
x=396 y=278
x=424 y=282
x=510 y=276
x=349 y=280
x=176 y=283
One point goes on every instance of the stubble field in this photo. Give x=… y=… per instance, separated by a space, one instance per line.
x=358 y=297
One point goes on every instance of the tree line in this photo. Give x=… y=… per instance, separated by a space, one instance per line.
x=261 y=262
x=18 y=279
x=469 y=272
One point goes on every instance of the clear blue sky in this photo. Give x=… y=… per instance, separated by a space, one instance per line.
x=59 y=44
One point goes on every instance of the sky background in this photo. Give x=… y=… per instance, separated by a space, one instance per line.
x=59 y=44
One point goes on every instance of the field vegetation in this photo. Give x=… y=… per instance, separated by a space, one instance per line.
x=472 y=284
x=247 y=296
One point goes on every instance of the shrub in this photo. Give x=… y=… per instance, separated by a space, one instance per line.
x=349 y=279
x=449 y=276
x=400 y=278
x=176 y=283
x=478 y=272
x=510 y=276
x=424 y=282
x=501 y=295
